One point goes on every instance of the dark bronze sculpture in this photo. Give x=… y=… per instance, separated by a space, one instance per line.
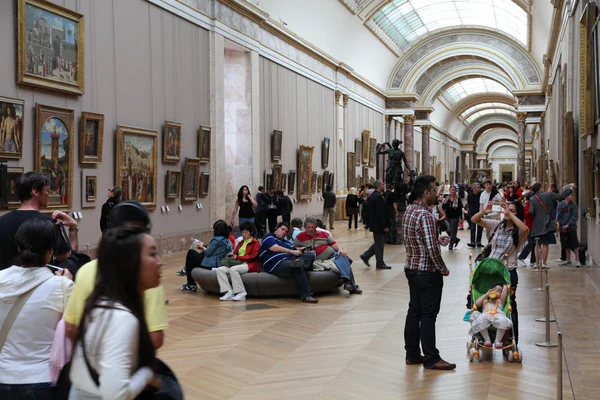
x=394 y=173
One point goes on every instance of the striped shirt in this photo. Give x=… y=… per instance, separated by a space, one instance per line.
x=321 y=243
x=270 y=259
x=502 y=243
x=420 y=237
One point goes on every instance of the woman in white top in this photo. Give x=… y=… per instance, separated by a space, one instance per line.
x=114 y=357
x=25 y=352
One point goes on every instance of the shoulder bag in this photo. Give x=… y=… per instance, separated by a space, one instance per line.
x=487 y=250
x=12 y=315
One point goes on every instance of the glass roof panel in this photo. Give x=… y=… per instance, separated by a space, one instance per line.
x=489 y=111
x=405 y=21
x=482 y=106
x=467 y=87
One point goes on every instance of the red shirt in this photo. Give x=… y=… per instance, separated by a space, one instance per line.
x=528 y=217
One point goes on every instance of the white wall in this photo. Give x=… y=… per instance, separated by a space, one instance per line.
x=503 y=155
x=446 y=119
x=541 y=21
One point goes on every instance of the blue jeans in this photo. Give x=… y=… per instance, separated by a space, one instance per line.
x=32 y=391
x=283 y=270
x=242 y=220
x=343 y=264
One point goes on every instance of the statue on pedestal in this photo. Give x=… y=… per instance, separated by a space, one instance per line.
x=394 y=173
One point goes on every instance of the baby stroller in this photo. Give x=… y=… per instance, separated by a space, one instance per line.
x=486 y=274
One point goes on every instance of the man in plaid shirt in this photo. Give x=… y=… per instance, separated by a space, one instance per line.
x=424 y=270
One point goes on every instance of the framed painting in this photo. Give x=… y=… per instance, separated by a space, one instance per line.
x=91 y=135
x=204 y=182
x=365 y=174
x=350 y=169
x=11 y=127
x=12 y=197
x=283 y=184
x=137 y=164
x=313 y=182
x=325 y=153
x=320 y=184
x=173 y=189
x=50 y=45
x=479 y=175
x=191 y=176
x=268 y=181
x=305 y=155
x=204 y=144
x=366 y=141
x=325 y=182
x=172 y=142
x=276 y=142
x=88 y=196
x=373 y=152
x=291 y=181
x=331 y=180
x=358 y=151
x=90 y=188
x=54 y=130
x=276 y=181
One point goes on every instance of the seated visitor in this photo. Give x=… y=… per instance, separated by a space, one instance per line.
x=207 y=257
x=244 y=259
x=296 y=228
x=283 y=260
x=491 y=305
x=326 y=248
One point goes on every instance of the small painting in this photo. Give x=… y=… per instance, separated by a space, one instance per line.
x=479 y=175
x=283 y=184
x=269 y=181
x=372 y=152
x=12 y=197
x=305 y=155
x=366 y=141
x=204 y=144
x=319 y=183
x=50 y=47
x=54 y=153
x=11 y=127
x=276 y=181
x=137 y=164
x=313 y=183
x=204 y=182
x=191 y=175
x=91 y=135
x=358 y=151
x=325 y=181
x=291 y=181
x=350 y=169
x=276 y=142
x=172 y=142
x=173 y=184
x=325 y=153
x=365 y=174
x=331 y=180
x=90 y=188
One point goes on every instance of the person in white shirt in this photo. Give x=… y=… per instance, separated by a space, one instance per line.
x=37 y=297
x=114 y=357
x=486 y=196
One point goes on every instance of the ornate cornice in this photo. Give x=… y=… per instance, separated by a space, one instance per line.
x=409 y=119
x=338 y=94
x=549 y=91
x=345 y=98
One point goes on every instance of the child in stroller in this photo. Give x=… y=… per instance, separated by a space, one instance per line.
x=492 y=306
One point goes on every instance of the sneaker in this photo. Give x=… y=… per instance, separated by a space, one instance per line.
x=480 y=245
x=240 y=296
x=545 y=266
x=521 y=263
x=227 y=296
x=578 y=265
x=559 y=260
x=471 y=245
x=564 y=263
x=189 y=288
x=181 y=272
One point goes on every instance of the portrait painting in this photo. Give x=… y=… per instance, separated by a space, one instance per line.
x=12 y=197
x=276 y=182
x=191 y=176
x=325 y=153
x=283 y=184
x=204 y=144
x=358 y=151
x=269 y=181
x=54 y=129
x=50 y=47
x=479 y=175
x=173 y=184
x=276 y=142
x=291 y=181
x=325 y=182
x=350 y=169
x=305 y=155
x=320 y=184
x=172 y=142
x=373 y=152
x=366 y=141
x=11 y=127
x=331 y=180
x=313 y=183
x=365 y=175
x=91 y=135
x=90 y=188
x=204 y=182
x=137 y=164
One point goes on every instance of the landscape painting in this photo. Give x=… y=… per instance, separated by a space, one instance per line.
x=305 y=155
x=137 y=164
x=11 y=127
x=90 y=138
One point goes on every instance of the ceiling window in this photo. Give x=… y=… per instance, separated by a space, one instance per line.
x=489 y=111
x=471 y=86
x=483 y=106
x=405 y=21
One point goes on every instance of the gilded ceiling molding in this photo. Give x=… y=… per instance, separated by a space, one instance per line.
x=409 y=119
x=474 y=129
x=338 y=94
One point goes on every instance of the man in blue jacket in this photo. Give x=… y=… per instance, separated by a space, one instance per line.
x=567 y=215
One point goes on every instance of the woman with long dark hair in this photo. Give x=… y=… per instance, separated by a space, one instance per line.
x=114 y=357
x=246 y=204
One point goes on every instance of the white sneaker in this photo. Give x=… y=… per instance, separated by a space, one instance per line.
x=227 y=296
x=559 y=260
x=545 y=266
x=522 y=263
x=240 y=296
x=578 y=265
x=564 y=263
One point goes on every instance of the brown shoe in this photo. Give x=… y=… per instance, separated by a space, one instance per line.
x=310 y=299
x=442 y=366
x=415 y=361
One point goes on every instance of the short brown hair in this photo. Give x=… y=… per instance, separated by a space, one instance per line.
x=116 y=191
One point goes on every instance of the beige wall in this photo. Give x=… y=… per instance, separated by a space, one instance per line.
x=143 y=65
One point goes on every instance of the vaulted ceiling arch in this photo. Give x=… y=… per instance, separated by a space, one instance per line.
x=481 y=125
x=493 y=136
x=500 y=144
x=481 y=98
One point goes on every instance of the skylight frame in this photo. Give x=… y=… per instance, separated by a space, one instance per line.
x=486 y=105
x=467 y=87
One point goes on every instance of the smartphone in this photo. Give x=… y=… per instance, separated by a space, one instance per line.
x=54 y=267
x=496 y=208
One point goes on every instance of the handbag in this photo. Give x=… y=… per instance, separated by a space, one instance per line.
x=230 y=262
x=487 y=250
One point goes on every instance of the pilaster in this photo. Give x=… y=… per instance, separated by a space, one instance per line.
x=217 y=121
x=425 y=164
x=521 y=117
x=409 y=135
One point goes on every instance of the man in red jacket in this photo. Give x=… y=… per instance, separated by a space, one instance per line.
x=530 y=246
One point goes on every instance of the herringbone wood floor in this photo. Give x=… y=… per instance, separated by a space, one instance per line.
x=353 y=348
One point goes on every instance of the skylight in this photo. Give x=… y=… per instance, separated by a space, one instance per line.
x=489 y=111
x=405 y=21
x=482 y=106
x=471 y=86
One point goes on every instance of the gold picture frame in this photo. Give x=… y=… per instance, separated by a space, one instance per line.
x=204 y=183
x=137 y=164
x=204 y=144
x=350 y=169
x=171 y=142
x=284 y=179
x=191 y=176
x=366 y=136
x=54 y=130
x=358 y=151
x=91 y=188
x=12 y=197
x=37 y=45
x=313 y=182
x=276 y=179
x=372 y=152
x=16 y=108
x=319 y=183
x=91 y=137
x=173 y=185
x=305 y=155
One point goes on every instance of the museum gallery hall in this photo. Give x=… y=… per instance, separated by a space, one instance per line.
x=387 y=133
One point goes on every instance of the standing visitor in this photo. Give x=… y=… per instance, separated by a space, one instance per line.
x=473 y=207
x=285 y=208
x=453 y=208
x=379 y=224
x=269 y=207
x=352 y=208
x=114 y=198
x=246 y=204
x=329 y=201
x=490 y=194
x=260 y=214
x=567 y=215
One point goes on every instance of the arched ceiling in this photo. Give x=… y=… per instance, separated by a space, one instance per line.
x=501 y=144
x=491 y=136
x=482 y=98
x=480 y=125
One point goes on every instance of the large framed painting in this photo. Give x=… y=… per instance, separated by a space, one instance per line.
x=291 y=181
x=173 y=185
x=50 y=47
x=11 y=127
x=172 y=142
x=204 y=144
x=276 y=180
x=358 y=151
x=191 y=176
x=313 y=182
x=91 y=135
x=204 y=183
x=479 y=175
x=276 y=143
x=54 y=130
x=325 y=182
x=283 y=184
x=366 y=141
x=325 y=153
x=137 y=164
x=373 y=152
x=12 y=197
x=305 y=155
x=350 y=169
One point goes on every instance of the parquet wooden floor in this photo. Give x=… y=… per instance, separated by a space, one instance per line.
x=352 y=347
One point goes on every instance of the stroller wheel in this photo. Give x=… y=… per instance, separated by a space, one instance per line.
x=518 y=356
x=471 y=354
x=511 y=356
x=468 y=346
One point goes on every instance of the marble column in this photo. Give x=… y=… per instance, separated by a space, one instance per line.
x=396 y=127
x=388 y=128
x=521 y=116
x=217 y=118
x=425 y=169
x=339 y=158
x=409 y=135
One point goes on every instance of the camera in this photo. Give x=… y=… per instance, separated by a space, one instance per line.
x=496 y=208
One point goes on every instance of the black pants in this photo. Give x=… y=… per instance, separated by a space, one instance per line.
x=425 y=299
x=260 y=224
x=453 y=222
x=33 y=391
x=287 y=218
x=355 y=216
x=272 y=220
x=193 y=259
x=283 y=270
x=514 y=282
x=376 y=248
x=529 y=248
x=393 y=232
x=476 y=231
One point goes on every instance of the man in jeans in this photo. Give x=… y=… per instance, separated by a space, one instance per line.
x=424 y=270
x=329 y=206
x=379 y=224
